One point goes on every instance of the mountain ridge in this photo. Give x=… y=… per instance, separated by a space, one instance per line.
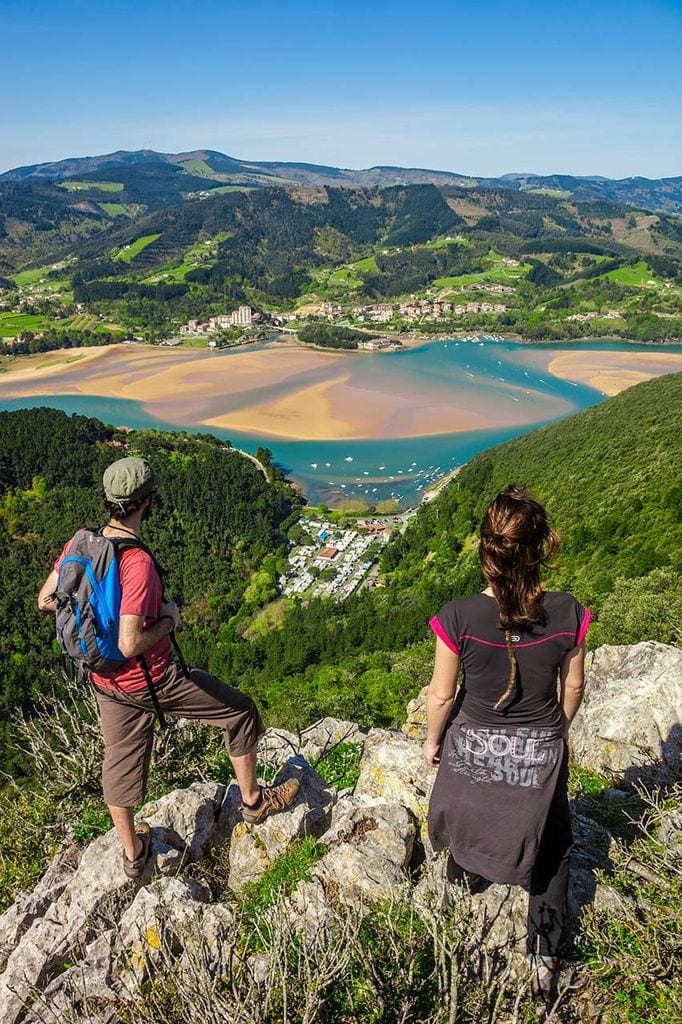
x=653 y=193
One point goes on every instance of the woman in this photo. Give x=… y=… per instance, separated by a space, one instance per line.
x=499 y=802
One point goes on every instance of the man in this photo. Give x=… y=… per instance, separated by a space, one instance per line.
x=126 y=704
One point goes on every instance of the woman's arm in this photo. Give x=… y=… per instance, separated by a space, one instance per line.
x=439 y=699
x=572 y=681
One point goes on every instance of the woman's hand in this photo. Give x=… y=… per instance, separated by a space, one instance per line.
x=431 y=752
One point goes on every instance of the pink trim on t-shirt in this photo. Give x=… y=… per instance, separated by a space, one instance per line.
x=531 y=643
x=437 y=628
x=584 y=626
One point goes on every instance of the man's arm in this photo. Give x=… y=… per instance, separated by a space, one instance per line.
x=134 y=639
x=46 y=601
x=440 y=698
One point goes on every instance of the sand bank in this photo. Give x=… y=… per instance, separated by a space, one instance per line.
x=613 y=372
x=280 y=391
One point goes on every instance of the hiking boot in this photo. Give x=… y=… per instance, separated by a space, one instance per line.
x=272 y=800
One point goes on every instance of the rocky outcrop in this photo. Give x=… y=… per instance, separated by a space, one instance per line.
x=97 y=892
x=393 y=770
x=632 y=711
x=87 y=933
x=253 y=848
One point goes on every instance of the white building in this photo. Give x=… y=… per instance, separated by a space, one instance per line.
x=241 y=317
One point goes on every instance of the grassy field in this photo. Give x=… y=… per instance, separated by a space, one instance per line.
x=82 y=322
x=350 y=275
x=557 y=193
x=31 y=276
x=115 y=209
x=498 y=273
x=441 y=243
x=199 y=168
x=202 y=254
x=501 y=275
x=91 y=186
x=12 y=324
x=636 y=276
x=129 y=253
x=232 y=188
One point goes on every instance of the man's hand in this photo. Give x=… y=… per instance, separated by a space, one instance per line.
x=46 y=596
x=431 y=752
x=171 y=609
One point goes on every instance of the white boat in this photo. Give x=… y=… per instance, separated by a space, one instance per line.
x=313 y=465
x=382 y=467
x=348 y=458
x=327 y=464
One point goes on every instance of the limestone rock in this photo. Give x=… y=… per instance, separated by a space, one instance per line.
x=82 y=989
x=670 y=832
x=254 y=847
x=18 y=918
x=592 y=843
x=415 y=723
x=161 y=914
x=320 y=738
x=99 y=890
x=186 y=820
x=632 y=711
x=371 y=847
x=497 y=916
x=276 y=746
x=393 y=770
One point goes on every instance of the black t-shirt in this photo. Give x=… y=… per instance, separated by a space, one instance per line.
x=471 y=627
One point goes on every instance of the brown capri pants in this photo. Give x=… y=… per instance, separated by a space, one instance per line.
x=128 y=726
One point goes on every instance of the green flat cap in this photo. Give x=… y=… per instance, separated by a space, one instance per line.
x=128 y=480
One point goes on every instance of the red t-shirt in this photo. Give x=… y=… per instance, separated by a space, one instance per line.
x=141 y=594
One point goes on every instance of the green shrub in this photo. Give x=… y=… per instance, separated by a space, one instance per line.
x=341 y=766
x=646 y=608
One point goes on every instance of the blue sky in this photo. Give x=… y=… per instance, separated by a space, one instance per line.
x=582 y=88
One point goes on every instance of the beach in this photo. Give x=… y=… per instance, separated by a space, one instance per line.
x=613 y=372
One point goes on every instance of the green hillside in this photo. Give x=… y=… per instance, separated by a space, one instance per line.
x=536 y=264
x=611 y=478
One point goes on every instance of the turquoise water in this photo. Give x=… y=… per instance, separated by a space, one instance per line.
x=377 y=469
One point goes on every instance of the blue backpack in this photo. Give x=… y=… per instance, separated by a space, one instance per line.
x=88 y=606
x=88 y=600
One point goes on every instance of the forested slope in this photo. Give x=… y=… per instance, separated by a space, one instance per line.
x=611 y=477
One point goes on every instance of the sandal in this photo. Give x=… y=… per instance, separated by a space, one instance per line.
x=134 y=868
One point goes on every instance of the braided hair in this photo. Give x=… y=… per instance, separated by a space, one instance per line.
x=516 y=542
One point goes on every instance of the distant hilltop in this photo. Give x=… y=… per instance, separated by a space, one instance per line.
x=204 y=170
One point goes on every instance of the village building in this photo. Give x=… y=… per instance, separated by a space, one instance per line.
x=375 y=344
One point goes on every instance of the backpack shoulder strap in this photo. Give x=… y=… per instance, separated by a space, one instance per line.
x=120 y=544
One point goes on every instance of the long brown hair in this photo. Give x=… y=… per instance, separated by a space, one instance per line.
x=516 y=542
